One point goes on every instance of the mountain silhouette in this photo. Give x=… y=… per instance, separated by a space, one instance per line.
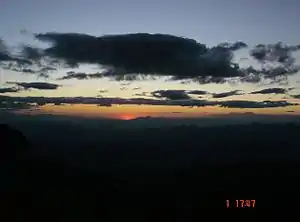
x=14 y=144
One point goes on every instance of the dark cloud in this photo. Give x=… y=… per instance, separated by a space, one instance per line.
x=18 y=65
x=43 y=75
x=9 y=90
x=41 y=72
x=129 y=77
x=276 y=74
x=207 y=80
x=58 y=104
x=142 y=53
x=36 y=85
x=234 y=46
x=142 y=101
x=14 y=105
x=6 y=56
x=3 y=48
x=202 y=80
x=254 y=104
x=31 y=53
x=279 y=71
x=184 y=94
x=171 y=94
x=141 y=56
x=96 y=75
x=30 y=60
x=47 y=69
x=198 y=92
x=278 y=52
x=270 y=91
x=74 y=75
x=296 y=96
x=143 y=94
x=28 y=71
x=251 y=78
x=103 y=91
x=80 y=75
x=107 y=104
x=14 y=61
x=227 y=94
x=136 y=88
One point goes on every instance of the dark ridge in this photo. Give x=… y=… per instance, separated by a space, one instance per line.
x=13 y=143
x=162 y=178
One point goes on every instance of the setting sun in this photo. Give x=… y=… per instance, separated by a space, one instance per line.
x=127 y=117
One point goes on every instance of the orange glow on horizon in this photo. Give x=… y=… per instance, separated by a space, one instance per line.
x=128 y=112
x=127 y=117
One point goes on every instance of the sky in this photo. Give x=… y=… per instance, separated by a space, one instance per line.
x=207 y=22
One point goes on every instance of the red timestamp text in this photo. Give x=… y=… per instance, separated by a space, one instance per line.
x=240 y=203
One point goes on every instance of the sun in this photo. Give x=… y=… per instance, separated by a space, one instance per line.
x=127 y=117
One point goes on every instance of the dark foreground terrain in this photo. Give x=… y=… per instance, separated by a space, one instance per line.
x=152 y=174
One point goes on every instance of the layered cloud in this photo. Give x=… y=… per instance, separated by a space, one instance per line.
x=234 y=46
x=171 y=94
x=278 y=52
x=271 y=91
x=227 y=94
x=9 y=90
x=139 y=55
x=197 y=92
x=296 y=96
x=15 y=105
x=80 y=75
x=109 y=101
x=142 y=53
x=186 y=94
x=36 y=85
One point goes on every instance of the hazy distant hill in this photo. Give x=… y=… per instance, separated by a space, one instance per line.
x=154 y=140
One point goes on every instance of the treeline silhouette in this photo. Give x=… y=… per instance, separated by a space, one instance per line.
x=155 y=170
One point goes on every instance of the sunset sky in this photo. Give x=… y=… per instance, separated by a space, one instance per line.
x=208 y=22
